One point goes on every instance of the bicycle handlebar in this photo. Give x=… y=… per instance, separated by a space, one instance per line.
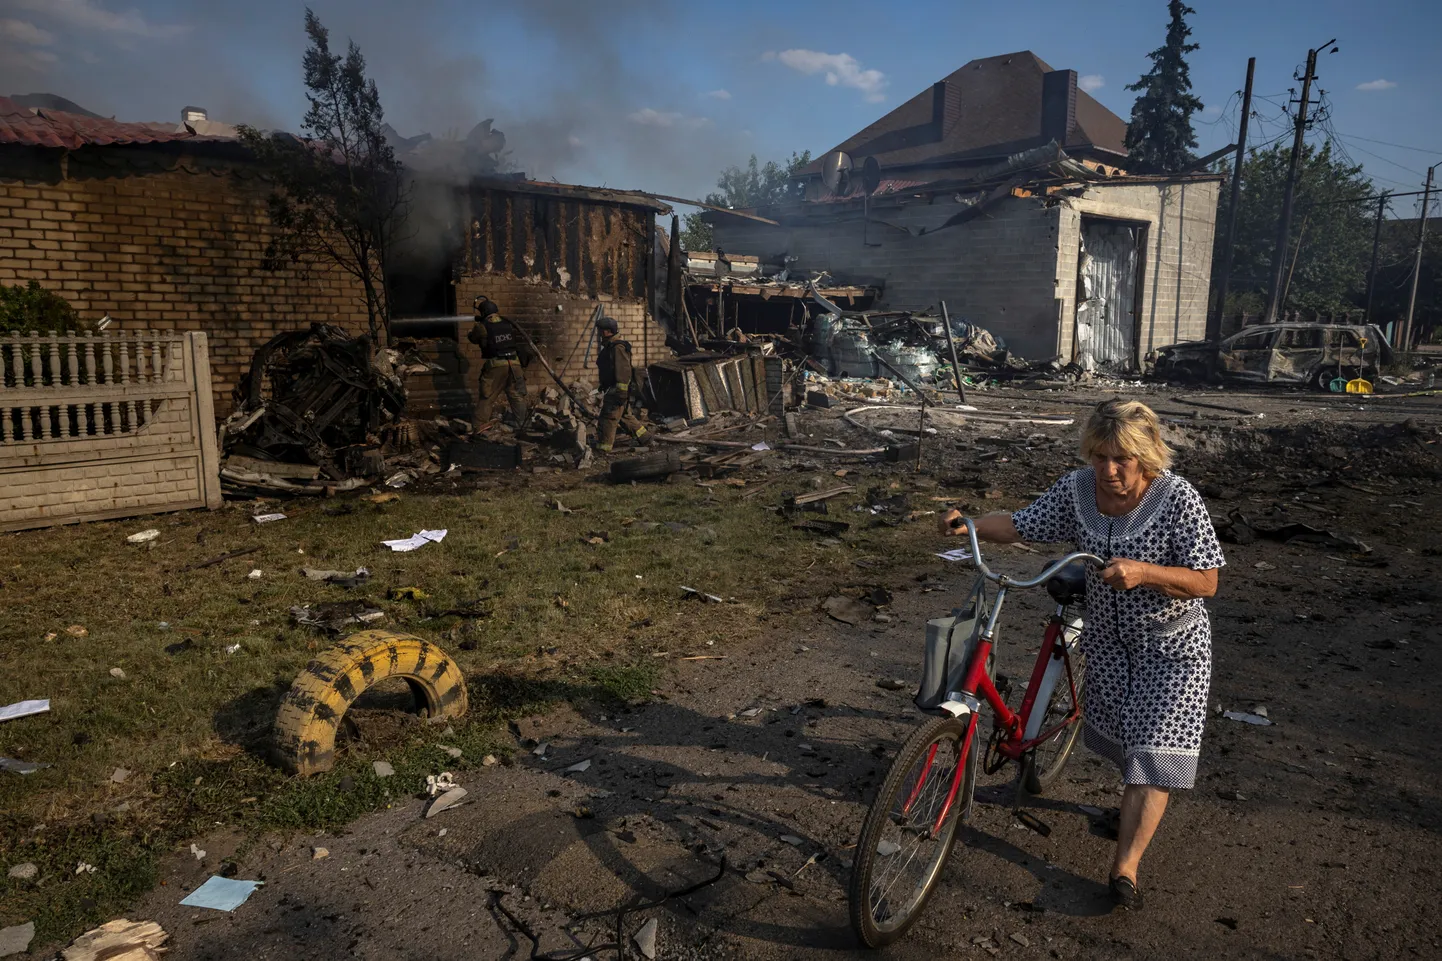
x=1006 y=580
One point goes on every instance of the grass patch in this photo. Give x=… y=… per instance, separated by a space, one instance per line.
x=530 y=610
x=626 y=682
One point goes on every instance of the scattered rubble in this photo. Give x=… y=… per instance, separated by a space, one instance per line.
x=334 y=617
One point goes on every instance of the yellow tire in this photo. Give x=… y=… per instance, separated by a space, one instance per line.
x=312 y=709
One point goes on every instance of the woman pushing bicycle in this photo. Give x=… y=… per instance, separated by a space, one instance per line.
x=1147 y=639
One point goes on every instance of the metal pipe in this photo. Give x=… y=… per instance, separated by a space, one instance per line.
x=951 y=345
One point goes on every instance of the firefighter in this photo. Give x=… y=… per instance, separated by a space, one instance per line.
x=614 y=362
x=503 y=370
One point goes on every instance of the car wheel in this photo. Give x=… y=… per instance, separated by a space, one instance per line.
x=1323 y=377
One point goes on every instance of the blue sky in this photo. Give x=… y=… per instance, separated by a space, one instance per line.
x=654 y=95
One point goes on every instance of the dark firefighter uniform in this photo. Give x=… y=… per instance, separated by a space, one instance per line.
x=614 y=363
x=503 y=349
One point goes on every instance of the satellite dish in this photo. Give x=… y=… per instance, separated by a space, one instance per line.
x=870 y=175
x=836 y=172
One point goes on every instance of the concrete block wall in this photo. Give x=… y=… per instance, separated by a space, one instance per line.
x=169 y=249
x=1177 y=264
x=559 y=322
x=997 y=271
x=1013 y=270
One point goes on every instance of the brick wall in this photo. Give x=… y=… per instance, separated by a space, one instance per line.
x=165 y=241
x=559 y=322
x=1013 y=269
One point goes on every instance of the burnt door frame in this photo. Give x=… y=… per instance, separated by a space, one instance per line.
x=1143 y=228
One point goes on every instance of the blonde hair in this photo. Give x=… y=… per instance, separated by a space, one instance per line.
x=1130 y=428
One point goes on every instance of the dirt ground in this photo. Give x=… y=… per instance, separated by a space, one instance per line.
x=1317 y=837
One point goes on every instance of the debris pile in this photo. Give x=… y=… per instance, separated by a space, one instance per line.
x=320 y=410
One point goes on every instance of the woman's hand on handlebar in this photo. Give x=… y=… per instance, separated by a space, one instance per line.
x=951 y=525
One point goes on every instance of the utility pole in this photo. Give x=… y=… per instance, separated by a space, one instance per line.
x=1372 y=271
x=1214 y=323
x=1284 y=225
x=1404 y=340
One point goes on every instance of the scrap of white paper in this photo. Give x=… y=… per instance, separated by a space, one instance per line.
x=959 y=554
x=24 y=709
x=416 y=540
x=761 y=446
x=221 y=894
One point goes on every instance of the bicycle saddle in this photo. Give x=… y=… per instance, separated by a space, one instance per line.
x=1068 y=585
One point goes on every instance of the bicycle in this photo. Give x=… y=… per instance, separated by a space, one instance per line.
x=912 y=824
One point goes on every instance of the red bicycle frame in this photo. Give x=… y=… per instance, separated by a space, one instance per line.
x=978 y=682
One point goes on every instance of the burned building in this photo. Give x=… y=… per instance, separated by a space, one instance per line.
x=547 y=254
x=997 y=191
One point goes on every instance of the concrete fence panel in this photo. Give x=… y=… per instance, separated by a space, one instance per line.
x=95 y=427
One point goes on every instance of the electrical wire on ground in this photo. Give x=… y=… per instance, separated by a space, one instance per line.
x=619 y=945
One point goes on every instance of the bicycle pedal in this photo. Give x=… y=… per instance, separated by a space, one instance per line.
x=1032 y=821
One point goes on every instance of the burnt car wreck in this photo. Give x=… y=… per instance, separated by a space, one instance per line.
x=1315 y=354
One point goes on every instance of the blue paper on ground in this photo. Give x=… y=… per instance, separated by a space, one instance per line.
x=221 y=894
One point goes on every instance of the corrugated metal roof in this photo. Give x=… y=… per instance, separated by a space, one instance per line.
x=634 y=198
x=53 y=128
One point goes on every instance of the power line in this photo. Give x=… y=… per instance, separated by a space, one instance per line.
x=1384 y=159
x=1435 y=153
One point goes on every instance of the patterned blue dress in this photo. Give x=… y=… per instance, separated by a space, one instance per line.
x=1148 y=656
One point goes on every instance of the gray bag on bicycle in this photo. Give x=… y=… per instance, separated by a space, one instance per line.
x=949 y=642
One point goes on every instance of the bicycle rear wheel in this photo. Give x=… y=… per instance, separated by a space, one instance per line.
x=910 y=830
x=1042 y=766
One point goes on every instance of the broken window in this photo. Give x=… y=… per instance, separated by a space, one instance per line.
x=1302 y=338
x=1260 y=340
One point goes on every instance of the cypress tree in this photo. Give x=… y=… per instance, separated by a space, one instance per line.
x=1160 y=136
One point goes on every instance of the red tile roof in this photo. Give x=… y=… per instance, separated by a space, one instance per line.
x=53 y=128
x=888 y=185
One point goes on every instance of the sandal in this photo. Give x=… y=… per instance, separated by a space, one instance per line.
x=1125 y=894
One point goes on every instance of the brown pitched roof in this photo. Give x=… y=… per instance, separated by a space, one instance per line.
x=55 y=128
x=993 y=108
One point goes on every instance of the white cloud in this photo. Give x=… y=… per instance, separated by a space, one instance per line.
x=841 y=70
x=1377 y=85
x=1212 y=109
x=719 y=94
x=21 y=31
x=650 y=117
x=28 y=59
x=90 y=15
x=1092 y=81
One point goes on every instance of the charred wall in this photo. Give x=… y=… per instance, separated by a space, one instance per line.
x=548 y=260
x=578 y=245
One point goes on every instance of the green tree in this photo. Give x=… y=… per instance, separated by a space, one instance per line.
x=1394 y=275
x=33 y=309
x=1160 y=137
x=338 y=194
x=754 y=185
x=1331 y=242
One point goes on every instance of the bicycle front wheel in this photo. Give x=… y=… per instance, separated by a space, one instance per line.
x=910 y=830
